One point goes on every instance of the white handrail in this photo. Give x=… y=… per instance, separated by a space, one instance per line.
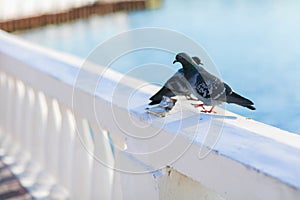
x=65 y=148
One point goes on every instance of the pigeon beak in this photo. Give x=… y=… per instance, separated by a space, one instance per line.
x=175 y=61
x=201 y=63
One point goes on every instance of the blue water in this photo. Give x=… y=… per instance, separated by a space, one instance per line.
x=254 y=44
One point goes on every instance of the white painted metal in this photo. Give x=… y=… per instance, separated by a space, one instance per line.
x=60 y=150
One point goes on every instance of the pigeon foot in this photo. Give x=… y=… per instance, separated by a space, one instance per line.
x=197 y=105
x=203 y=108
x=209 y=111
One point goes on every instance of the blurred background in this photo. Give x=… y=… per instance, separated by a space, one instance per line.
x=254 y=44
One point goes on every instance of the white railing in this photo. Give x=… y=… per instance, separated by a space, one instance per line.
x=62 y=139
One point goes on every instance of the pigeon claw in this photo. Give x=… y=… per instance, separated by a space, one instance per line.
x=203 y=108
x=209 y=111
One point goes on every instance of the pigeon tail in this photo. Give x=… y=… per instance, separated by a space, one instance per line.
x=164 y=91
x=239 y=100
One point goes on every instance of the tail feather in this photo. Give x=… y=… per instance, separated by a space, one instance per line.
x=164 y=91
x=239 y=100
x=251 y=107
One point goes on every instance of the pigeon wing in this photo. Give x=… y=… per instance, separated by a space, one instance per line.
x=178 y=84
x=156 y=98
x=209 y=86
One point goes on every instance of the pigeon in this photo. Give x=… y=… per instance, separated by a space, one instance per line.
x=208 y=88
x=175 y=86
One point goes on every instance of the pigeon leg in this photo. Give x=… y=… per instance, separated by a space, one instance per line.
x=197 y=105
x=203 y=108
x=209 y=111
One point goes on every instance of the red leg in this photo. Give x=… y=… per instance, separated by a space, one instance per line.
x=197 y=105
x=208 y=111
x=203 y=108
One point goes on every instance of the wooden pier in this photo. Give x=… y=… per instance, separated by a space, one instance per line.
x=98 y=8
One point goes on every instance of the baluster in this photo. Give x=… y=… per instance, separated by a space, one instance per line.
x=121 y=181
x=19 y=126
x=30 y=101
x=55 y=152
x=66 y=140
x=52 y=137
x=82 y=160
x=22 y=157
x=102 y=172
x=39 y=128
x=25 y=130
x=4 y=136
x=9 y=145
x=7 y=112
x=43 y=181
x=3 y=93
x=28 y=177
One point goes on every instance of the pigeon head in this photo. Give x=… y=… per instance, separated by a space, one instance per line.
x=183 y=58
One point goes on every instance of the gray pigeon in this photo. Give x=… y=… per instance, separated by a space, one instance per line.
x=177 y=85
x=208 y=88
